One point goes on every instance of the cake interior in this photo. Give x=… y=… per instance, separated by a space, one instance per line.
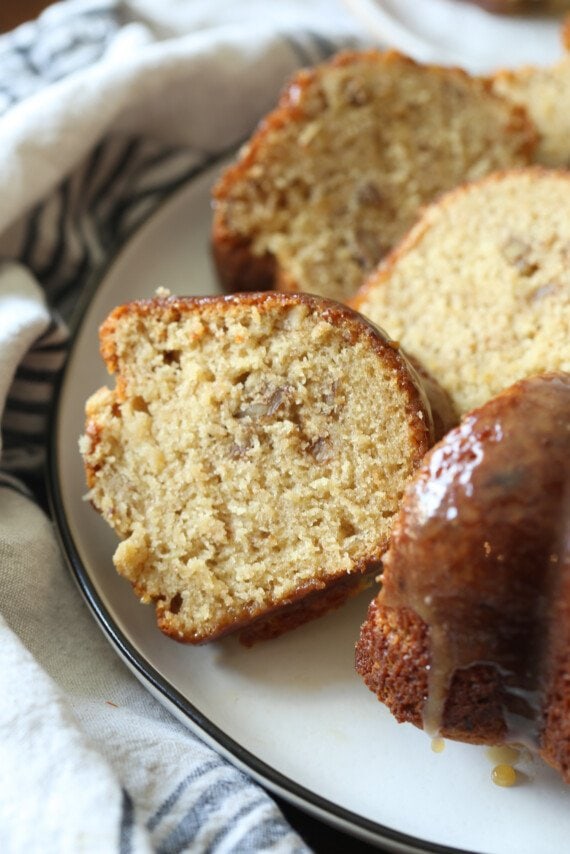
x=244 y=454
x=490 y=267
x=330 y=190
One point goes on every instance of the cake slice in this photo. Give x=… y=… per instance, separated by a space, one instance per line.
x=479 y=290
x=545 y=94
x=469 y=636
x=251 y=456
x=336 y=173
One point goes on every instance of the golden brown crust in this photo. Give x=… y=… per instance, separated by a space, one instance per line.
x=310 y=606
x=238 y=268
x=308 y=602
x=479 y=549
x=392 y=656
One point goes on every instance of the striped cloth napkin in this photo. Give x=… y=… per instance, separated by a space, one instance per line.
x=105 y=108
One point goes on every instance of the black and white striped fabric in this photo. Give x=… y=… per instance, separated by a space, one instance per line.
x=106 y=107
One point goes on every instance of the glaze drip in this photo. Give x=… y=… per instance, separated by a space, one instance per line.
x=480 y=554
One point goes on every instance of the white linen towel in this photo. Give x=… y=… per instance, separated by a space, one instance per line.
x=106 y=107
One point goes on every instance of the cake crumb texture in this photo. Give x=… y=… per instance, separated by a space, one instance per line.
x=336 y=174
x=545 y=94
x=254 y=451
x=479 y=290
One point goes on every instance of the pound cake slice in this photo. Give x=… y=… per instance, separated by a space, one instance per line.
x=251 y=457
x=469 y=636
x=479 y=290
x=545 y=94
x=335 y=175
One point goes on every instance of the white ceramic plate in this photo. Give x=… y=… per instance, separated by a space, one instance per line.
x=292 y=711
x=455 y=32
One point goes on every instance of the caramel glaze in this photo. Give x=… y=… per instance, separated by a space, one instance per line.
x=470 y=634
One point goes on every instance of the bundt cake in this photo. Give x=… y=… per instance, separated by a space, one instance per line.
x=469 y=636
x=479 y=290
x=251 y=457
x=545 y=94
x=336 y=174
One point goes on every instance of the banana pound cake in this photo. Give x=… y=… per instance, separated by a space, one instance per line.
x=470 y=634
x=336 y=174
x=251 y=457
x=545 y=94
x=479 y=290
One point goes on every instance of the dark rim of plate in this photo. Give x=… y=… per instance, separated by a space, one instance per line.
x=309 y=801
